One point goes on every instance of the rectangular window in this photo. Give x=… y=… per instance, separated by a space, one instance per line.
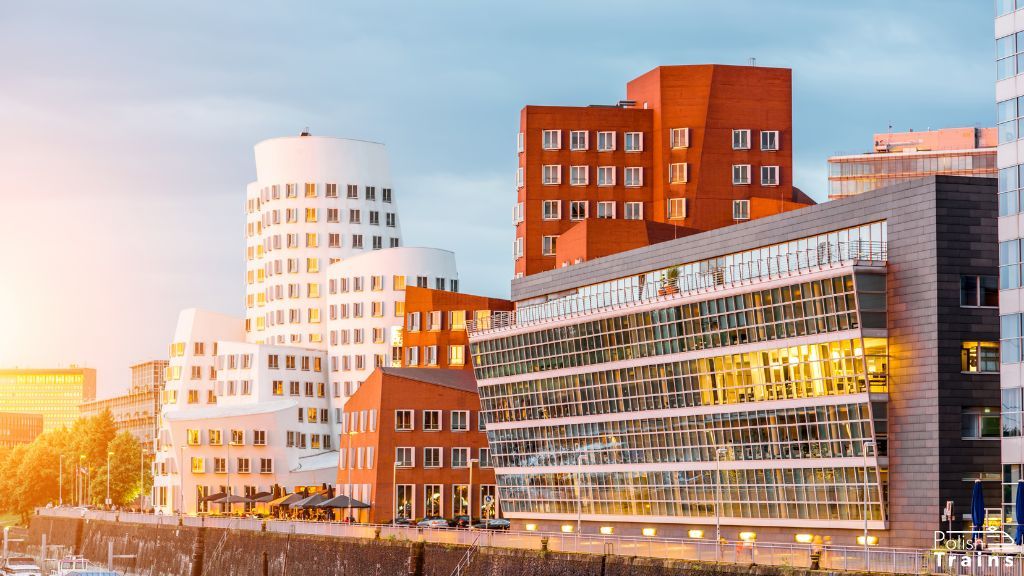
x=371 y=192
x=769 y=175
x=579 y=175
x=485 y=457
x=519 y=142
x=679 y=173
x=634 y=141
x=404 y=420
x=1007 y=114
x=552 y=139
x=405 y=457
x=552 y=174
x=741 y=174
x=1007 y=48
x=243 y=465
x=517 y=247
x=1004 y=7
x=331 y=191
x=406 y=500
x=980 y=424
x=432 y=457
x=520 y=176
x=633 y=176
x=606 y=210
x=433 y=500
x=548 y=245
x=633 y=211
x=679 y=138
x=386 y=195
x=979 y=357
x=552 y=209
x=352 y=191
x=769 y=140
x=1010 y=338
x=456 y=355
x=605 y=141
x=460 y=420
x=1009 y=264
x=606 y=175
x=979 y=291
x=741 y=209
x=259 y=437
x=431 y=420
x=578 y=139
x=460 y=457
x=578 y=209
x=266 y=466
x=741 y=139
x=676 y=208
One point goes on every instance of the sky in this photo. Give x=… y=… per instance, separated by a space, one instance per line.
x=127 y=128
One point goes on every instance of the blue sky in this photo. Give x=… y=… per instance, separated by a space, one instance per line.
x=127 y=127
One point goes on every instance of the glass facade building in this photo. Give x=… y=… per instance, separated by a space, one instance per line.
x=55 y=393
x=675 y=388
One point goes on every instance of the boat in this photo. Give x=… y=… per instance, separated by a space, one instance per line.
x=68 y=563
x=20 y=566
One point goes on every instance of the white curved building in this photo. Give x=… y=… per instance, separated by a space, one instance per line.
x=366 y=306
x=315 y=201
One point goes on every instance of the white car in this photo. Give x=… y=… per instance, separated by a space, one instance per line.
x=20 y=566
x=433 y=523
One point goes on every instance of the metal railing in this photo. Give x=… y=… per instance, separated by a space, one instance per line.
x=835 y=558
x=660 y=286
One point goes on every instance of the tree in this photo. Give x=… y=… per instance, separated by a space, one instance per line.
x=125 y=482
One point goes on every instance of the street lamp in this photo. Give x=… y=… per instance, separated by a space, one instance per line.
x=867 y=444
x=394 y=489
x=79 y=479
x=109 y=454
x=718 y=501
x=60 y=482
x=471 y=461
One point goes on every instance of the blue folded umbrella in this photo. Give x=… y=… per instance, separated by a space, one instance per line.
x=978 y=510
x=1019 y=512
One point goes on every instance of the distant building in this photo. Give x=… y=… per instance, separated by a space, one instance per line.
x=56 y=393
x=17 y=428
x=699 y=147
x=136 y=411
x=435 y=327
x=902 y=156
x=415 y=434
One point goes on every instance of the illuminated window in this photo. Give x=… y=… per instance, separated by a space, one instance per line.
x=457 y=320
x=979 y=357
x=198 y=465
x=194 y=437
x=456 y=355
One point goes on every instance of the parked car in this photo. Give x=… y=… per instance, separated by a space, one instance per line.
x=402 y=521
x=433 y=522
x=493 y=524
x=461 y=522
x=20 y=566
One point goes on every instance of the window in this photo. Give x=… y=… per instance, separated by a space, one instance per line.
x=414 y=322
x=1009 y=264
x=1009 y=190
x=389 y=220
x=606 y=210
x=243 y=465
x=552 y=174
x=404 y=457
x=215 y=437
x=398 y=282
x=456 y=355
x=676 y=208
x=741 y=139
x=578 y=140
x=634 y=141
x=633 y=211
x=220 y=465
x=741 y=174
x=519 y=142
x=352 y=191
x=769 y=140
x=371 y=193
x=520 y=176
x=460 y=420
x=741 y=209
x=374 y=218
x=1010 y=409
x=198 y=465
x=578 y=209
x=266 y=466
x=1010 y=338
x=432 y=458
x=457 y=320
x=194 y=437
x=769 y=175
x=552 y=139
x=430 y=355
x=378 y=243
x=406 y=500
x=634 y=176
x=460 y=457
x=606 y=176
x=517 y=247
x=517 y=213
x=238 y=437
x=548 y=245
x=579 y=175
x=485 y=457
x=259 y=437
x=432 y=420
x=1004 y=7
x=357 y=241
x=979 y=291
x=1009 y=61
x=433 y=500
x=679 y=138
x=980 y=423
x=386 y=195
x=1007 y=114
x=679 y=173
x=605 y=141
x=434 y=320
x=979 y=357
x=552 y=209
x=331 y=191
x=403 y=420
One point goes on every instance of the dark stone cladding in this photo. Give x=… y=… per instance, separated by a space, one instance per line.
x=939 y=228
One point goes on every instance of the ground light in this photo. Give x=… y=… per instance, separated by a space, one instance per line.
x=748 y=536
x=607 y=530
x=696 y=534
x=805 y=538
x=872 y=540
x=531 y=527
x=567 y=528
x=650 y=532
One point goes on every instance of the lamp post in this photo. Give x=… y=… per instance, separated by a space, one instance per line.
x=718 y=501
x=181 y=480
x=60 y=482
x=80 y=478
x=109 y=454
x=394 y=489
x=867 y=445
x=579 y=494
x=348 y=464
x=471 y=461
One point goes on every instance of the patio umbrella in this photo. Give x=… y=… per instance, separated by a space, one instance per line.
x=286 y=500
x=262 y=497
x=309 y=502
x=216 y=496
x=1019 y=509
x=977 y=510
x=342 y=501
x=231 y=499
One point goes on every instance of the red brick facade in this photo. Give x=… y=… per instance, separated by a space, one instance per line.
x=445 y=329
x=705 y=104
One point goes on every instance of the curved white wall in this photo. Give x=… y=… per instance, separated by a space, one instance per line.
x=351 y=362
x=289 y=236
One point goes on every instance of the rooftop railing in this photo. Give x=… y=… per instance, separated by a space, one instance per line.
x=666 y=284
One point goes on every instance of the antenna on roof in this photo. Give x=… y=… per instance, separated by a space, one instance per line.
x=305 y=131
x=751 y=61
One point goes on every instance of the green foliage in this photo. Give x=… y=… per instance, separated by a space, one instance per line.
x=30 y=473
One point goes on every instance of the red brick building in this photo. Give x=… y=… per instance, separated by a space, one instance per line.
x=695 y=146
x=415 y=434
x=435 y=326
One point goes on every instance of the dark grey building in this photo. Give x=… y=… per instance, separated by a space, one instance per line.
x=749 y=376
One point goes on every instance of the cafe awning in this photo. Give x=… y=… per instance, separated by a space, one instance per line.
x=342 y=502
